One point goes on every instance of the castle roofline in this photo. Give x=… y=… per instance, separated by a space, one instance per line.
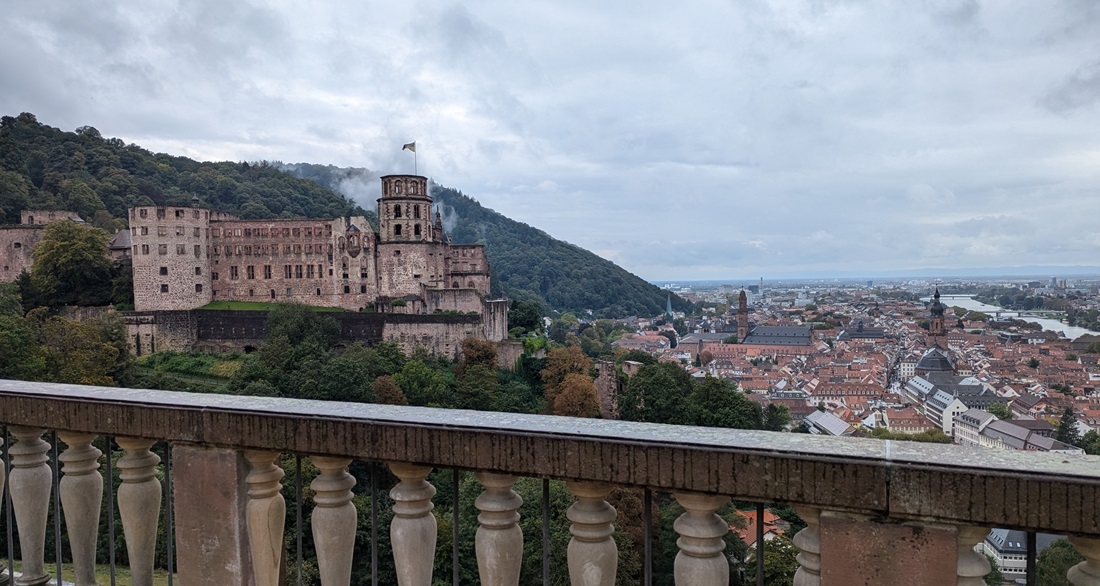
x=406 y=176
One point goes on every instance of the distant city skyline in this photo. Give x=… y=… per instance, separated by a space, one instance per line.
x=679 y=141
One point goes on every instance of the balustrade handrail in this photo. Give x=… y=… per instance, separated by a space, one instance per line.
x=1054 y=493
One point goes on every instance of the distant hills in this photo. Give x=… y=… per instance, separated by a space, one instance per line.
x=42 y=167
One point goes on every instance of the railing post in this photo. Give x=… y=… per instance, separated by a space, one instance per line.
x=1086 y=573
x=31 y=484
x=808 y=542
x=266 y=515
x=700 y=561
x=333 y=520
x=972 y=566
x=139 y=505
x=413 y=530
x=499 y=539
x=592 y=554
x=81 y=498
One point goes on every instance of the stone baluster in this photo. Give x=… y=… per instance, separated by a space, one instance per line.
x=701 y=561
x=1086 y=573
x=499 y=539
x=81 y=497
x=266 y=515
x=808 y=542
x=972 y=566
x=413 y=531
x=31 y=483
x=139 y=505
x=334 y=519
x=592 y=554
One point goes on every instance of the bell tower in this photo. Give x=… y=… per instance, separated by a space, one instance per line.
x=405 y=210
x=935 y=327
x=742 y=317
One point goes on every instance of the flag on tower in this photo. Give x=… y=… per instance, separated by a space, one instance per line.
x=411 y=146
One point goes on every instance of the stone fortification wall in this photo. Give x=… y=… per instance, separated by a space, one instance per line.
x=494 y=320
x=467 y=267
x=16 y=244
x=43 y=217
x=171 y=261
x=224 y=331
x=464 y=300
x=607 y=389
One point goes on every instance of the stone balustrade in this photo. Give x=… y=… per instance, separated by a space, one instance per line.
x=877 y=512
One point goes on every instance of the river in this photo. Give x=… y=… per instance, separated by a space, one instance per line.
x=1052 y=325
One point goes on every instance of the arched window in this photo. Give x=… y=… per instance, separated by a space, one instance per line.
x=454 y=285
x=397 y=188
x=397 y=211
x=416 y=212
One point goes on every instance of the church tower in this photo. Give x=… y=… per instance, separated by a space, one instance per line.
x=405 y=210
x=742 y=317
x=935 y=328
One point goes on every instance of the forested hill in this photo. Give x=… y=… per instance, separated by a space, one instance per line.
x=42 y=167
x=526 y=262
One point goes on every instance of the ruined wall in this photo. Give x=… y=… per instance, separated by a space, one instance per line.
x=43 y=217
x=467 y=267
x=607 y=389
x=16 y=244
x=441 y=335
x=171 y=261
x=494 y=320
x=464 y=300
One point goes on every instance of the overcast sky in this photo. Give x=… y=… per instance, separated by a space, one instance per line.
x=679 y=139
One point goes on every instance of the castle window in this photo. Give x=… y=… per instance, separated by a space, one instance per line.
x=397 y=230
x=145 y=249
x=162 y=249
x=297 y=271
x=163 y=287
x=297 y=232
x=297 y=249
x=144 y=230
x=248 y=251
x=197 y=232
x=267 y=271
x=250 y=272
x=228 y=251
x=195 y=214
x=287 y=271
x=251 y=292
x=416 y=230
x=288 y=292
x=347 y=289
x=179 y=213
x=454 y=285
x=198 y=250
x=181 y=249
x=162 y=230
x=309 y=232
x=286 y=232
x=233 y=273
x=397 y=187
x=213 y=276
x=362 y=288
x=198 y=270
x=198 y=287
x=142 y=213
x=397 y=209
x=273 y=294
x=397 y=253
x=19 y=245
x=179 y=231
x=309 y=271
x=318 y=291
x=160 y=213
x=416 y=210
x=164 y=270
x=248 y=232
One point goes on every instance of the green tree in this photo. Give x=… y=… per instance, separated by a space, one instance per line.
x=71 y=265
x=1055 y=561
x=1033 y=363
x=780 y=564
x=525 y=315
x=298 y=323
x=1001 y=411
x=387 y=392
x=424 y=386
x=995 y=577
x=1067 y=428
x=657 y=394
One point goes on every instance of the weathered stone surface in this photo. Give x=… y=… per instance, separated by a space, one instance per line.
x=869 y=553
x=209 y=483
x=945 y=484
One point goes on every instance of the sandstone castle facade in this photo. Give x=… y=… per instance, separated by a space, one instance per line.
x=184 y=258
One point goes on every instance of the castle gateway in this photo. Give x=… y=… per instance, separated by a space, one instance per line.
x=184 y=258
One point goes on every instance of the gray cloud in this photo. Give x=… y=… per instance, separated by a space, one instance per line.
x=679 y=141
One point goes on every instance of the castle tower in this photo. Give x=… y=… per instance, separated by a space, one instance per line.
x=171 y=257
x=405 y=210
x=935 y=328
x=742 y=317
